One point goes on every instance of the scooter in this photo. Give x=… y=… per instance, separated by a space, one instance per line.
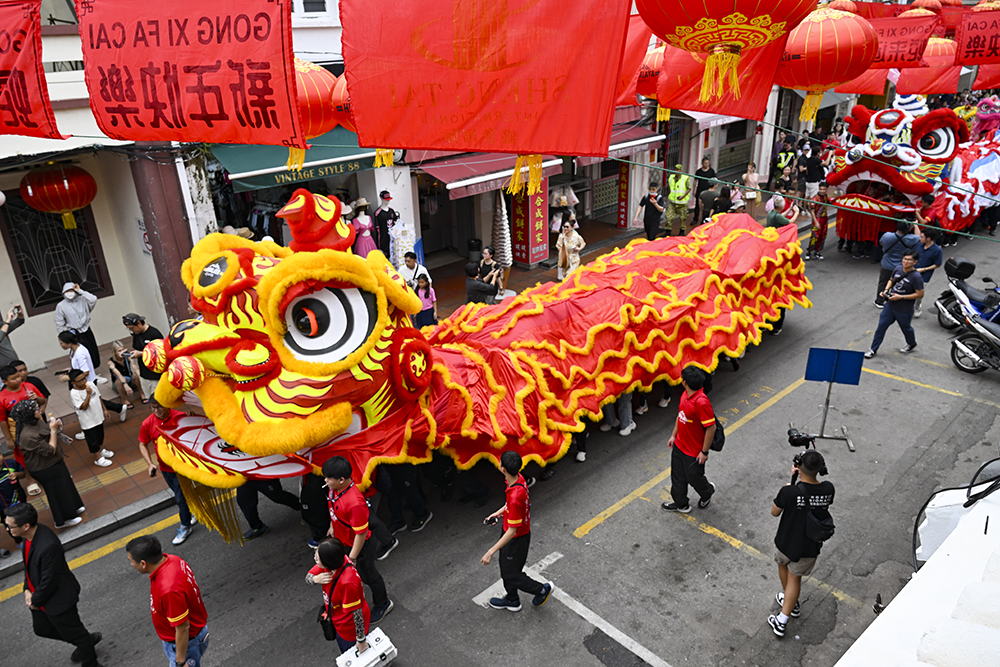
x=977 y=349
x=985 y=304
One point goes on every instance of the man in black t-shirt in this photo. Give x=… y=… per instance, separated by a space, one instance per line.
x=142 y=334
x=704 y=179
x=652 y=206
x=795 y=553
x=905 y=286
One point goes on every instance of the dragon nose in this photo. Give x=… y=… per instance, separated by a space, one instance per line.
x=890 y=150
x=854 y=155
x=258 y=354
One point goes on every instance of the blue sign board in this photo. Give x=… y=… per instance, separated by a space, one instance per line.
x=840 y=366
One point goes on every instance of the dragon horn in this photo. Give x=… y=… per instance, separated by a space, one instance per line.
x=915 y=105
x=316 y=222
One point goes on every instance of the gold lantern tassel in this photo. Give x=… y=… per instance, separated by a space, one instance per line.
x=383 y=157
x=720 y=65
x=296 y=158
x=810 y=106
x=662 y=114
x=215 y=508
x=69 y=220
x=533 y=164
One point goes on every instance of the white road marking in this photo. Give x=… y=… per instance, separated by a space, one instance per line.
x=535 y=572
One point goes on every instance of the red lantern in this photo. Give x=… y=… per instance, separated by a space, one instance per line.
x=848 y=6
x=59 y=189
x=951 y=3
x=314 y=86
x=722 y=29
x=933 y=6
x=649 y=75
x=828 y=48
x=341 y=101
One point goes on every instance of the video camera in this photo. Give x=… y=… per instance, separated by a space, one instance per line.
x=799 y=439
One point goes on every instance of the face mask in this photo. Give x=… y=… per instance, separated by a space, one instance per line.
x=70 y=296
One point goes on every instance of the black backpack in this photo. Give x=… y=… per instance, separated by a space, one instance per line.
x=819 y=522
x=720 y=436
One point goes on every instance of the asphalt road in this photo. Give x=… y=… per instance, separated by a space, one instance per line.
x=632 y=579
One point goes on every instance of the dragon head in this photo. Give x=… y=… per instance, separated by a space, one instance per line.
x=987 y=117
x=297 y=347
x=905 y=150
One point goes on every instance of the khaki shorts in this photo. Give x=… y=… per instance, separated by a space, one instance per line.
x=148 y=386
x=802 y=567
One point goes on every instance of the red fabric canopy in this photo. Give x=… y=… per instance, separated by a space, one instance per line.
x=682 y=72
x=24 y=94
x=902 y=41
x=498 y=166
x=636 y=44
x=940 y=78
x=871 y=82
x=978 y=39
x=988 y=77
x=515 y=76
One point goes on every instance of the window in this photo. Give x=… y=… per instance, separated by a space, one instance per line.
x=736 y=132
x=310 y=6
x=610 y=168
x=45 y=255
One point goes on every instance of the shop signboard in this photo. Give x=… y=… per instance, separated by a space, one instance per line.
x=528 y=221
x=623 y=175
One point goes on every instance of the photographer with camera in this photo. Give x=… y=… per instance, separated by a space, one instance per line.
x=799 y=505
x=904 y=287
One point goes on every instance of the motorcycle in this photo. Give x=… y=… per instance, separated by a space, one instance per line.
x=977 y=349
x=985 y=304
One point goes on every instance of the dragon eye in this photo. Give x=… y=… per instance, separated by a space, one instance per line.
x=937 y=144
x=328 y=325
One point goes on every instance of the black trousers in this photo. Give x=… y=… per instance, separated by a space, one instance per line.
x=685 y=470
x=87 y=339
x=315 y=511
x=370 y=574
x=95 y=438
x=64 y=499
x=513 y=556
x=66 y=627
x=246 y=498
x=405 y=486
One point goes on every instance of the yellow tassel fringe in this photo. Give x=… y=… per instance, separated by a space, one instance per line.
x=662 y=114
x=810 y=106
x=215 y=508
x=533 y=163
x=69 y=220
x=383 y=157
x=296 y=158
x=719 y=66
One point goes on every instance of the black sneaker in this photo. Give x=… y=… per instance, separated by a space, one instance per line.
x=76 y=656
x=673 y=507
x=419 y=524
x=776 y=626
x=908 y=349
x=504 y=603
x=780 y=599
x=256 y=532
x=540 y=599
x=378 y=613
x=529 y=482
x=705 y=502
x=386 y=550
x=397 y=526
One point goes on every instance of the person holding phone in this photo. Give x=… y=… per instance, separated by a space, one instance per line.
x=148 y=433
x=13 y=320
x=481 y=290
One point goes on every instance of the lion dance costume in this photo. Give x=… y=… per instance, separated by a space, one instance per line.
x=910 y=151
x=308 y=352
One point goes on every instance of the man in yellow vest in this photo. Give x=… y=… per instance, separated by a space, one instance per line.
x=680 y=194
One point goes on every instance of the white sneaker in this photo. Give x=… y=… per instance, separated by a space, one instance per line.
x=101 y=380
x=605 y=426
x=103 y=462
x=107 y=453
x=664 y=402
x=642 y=409
x=123 y=413
x=627 y=430
x=918 y=312
x=581 y=456
x=71 y=522
x=80 y=436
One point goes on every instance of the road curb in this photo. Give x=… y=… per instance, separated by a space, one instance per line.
x=99 y=527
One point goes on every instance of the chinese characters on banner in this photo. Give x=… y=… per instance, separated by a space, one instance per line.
x=530 y=234
x=623 y=174
x=24 y=95
x=978 y=39
x=484 y=76
x=901 y=41
x=188 y=70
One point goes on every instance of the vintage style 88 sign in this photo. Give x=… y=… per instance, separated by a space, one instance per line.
x=187 y=70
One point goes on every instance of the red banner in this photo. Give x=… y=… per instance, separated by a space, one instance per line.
x=940 y=78
x=901 y=41
x=987 y=78
x=636 y=45
x=871 y=82
x=531 y=237
x=623 y=177
x=682 y=72
x=978 y=39
x=24 y=95
x=188 y=70
x=511 y=76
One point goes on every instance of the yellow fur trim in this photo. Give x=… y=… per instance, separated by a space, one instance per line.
x=196 y=468
x=399 y=294
x=213 y=245
x=267 y=437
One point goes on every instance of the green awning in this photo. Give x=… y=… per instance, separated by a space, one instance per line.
x=252 y=167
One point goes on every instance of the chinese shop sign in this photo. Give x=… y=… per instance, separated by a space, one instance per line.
x=528 y=220
x=978 y=38
x=623 y=172
x=901 y=41
x=187 y=70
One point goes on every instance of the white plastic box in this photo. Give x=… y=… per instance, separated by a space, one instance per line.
x=380 y=652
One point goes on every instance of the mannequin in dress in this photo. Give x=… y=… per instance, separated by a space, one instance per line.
x=363 y=243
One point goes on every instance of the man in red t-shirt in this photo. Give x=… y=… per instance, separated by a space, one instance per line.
x=16 y=389
x=513 y=544
x=165 y=418
x=179 y=615
x=349 y=515
x=343 y=594
x=690 y=442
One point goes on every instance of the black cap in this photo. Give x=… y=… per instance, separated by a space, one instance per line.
x=131 y=319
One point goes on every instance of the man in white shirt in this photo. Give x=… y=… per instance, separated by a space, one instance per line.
x=411 y=269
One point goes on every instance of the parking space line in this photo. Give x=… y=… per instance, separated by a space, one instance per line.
x=91 y=556
x=497 y=590
x=949 y=392
x=621 y=504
